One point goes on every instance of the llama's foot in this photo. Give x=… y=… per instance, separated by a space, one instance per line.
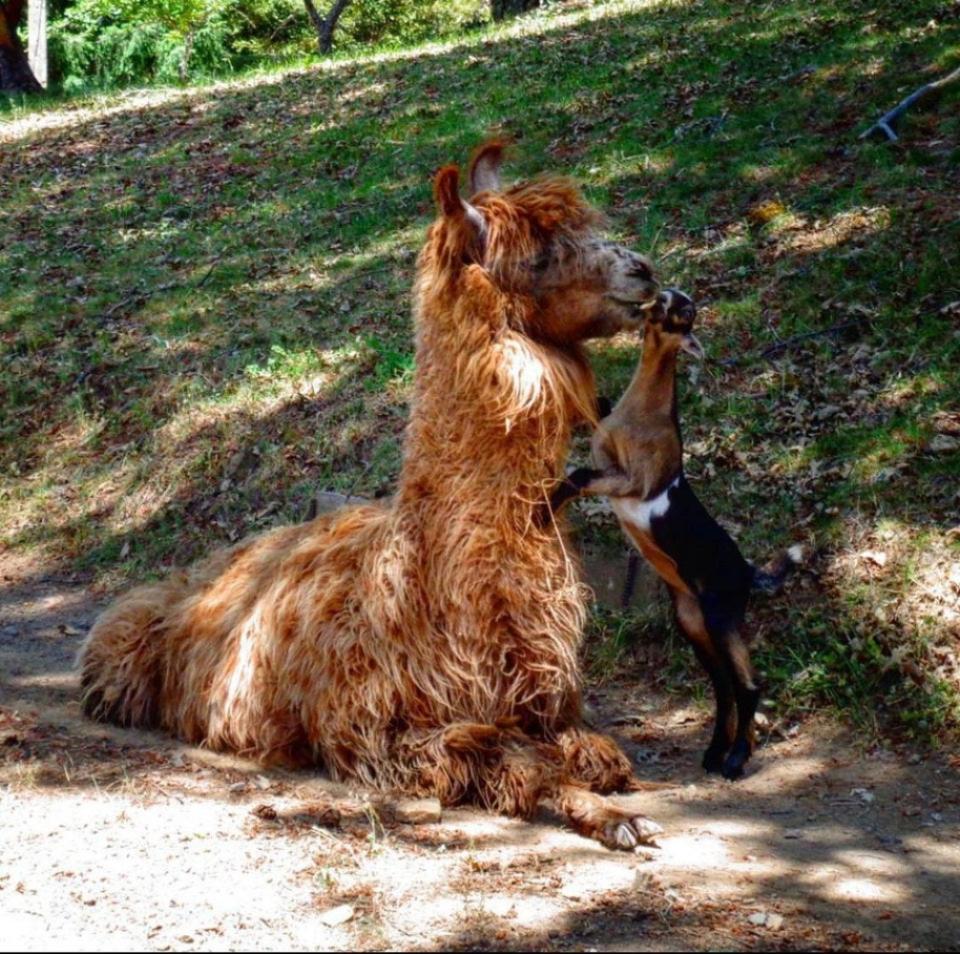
x=734 y=763
x=596 y=817
x=595 y=760
x=629 y=832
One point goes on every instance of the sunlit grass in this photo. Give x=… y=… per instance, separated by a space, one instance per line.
x=205 y=293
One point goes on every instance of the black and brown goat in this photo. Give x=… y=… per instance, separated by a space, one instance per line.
x=638 y=452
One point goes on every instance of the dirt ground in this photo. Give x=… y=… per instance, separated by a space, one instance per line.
x=116 y=840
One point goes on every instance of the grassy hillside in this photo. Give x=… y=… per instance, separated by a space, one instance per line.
x=204 y=301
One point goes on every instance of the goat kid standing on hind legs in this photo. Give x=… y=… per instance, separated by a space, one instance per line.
x=426 y=644
x=638 y=451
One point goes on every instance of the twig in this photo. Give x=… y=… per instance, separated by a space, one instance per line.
x=209 y=271
x=145 y=293
x=884 y=125
x=772 y=350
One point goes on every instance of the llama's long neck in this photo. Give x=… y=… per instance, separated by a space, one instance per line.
x=457 y=444
x=490 y=421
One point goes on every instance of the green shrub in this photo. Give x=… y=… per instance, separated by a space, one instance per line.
x=101 y=44
x=369 y=22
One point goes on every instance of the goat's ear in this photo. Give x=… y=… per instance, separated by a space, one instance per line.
x=446 y=188
x=485 y=167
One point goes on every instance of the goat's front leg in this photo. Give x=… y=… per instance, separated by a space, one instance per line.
x=610 y=482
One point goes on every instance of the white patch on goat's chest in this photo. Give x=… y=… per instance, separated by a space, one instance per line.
x=639 y=512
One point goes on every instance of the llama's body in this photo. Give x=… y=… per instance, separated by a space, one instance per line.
x=428 y=643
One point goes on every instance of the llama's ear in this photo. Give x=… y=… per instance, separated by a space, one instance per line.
x=446 y=188
x=485 y=167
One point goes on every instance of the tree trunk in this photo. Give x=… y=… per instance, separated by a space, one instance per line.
x=501 y=9
x=37 y=39
x=325 y=25
x=15 y=73
x=184 y=68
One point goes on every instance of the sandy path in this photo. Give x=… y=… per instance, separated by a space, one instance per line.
x=114 y=839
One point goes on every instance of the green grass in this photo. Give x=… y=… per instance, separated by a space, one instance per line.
x=205 y=298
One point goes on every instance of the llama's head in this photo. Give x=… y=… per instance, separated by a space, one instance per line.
x=537 y=243
x=669 y=323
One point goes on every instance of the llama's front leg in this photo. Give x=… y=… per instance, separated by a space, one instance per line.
x=597 y=817
x=532 y=773
x=509 y=772
x=595 y=761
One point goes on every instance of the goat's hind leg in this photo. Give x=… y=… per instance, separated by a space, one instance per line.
x=692 y=624
x=747 y=694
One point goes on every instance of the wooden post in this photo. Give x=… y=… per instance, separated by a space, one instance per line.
x=37 y=39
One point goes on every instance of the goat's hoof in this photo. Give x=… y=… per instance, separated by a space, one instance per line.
x=736 y=760
x=713 y=761
x=732 y=770
x=628 y=833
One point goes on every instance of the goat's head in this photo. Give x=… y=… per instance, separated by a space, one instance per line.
x=669 y=322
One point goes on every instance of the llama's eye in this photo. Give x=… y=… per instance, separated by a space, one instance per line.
x=541 y=263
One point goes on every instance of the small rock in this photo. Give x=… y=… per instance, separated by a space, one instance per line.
x=237 y=787
x=774 y=921
x=793 y=833
x=262 y=782
x=943 y=443
x=417 y=811
x=328 y=500
x=338 y=915
x=863 y=794
x=759 y=918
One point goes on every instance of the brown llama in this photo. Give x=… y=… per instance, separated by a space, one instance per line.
x=426 y=644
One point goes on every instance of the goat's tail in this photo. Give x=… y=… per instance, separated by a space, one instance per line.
x=770 y=578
